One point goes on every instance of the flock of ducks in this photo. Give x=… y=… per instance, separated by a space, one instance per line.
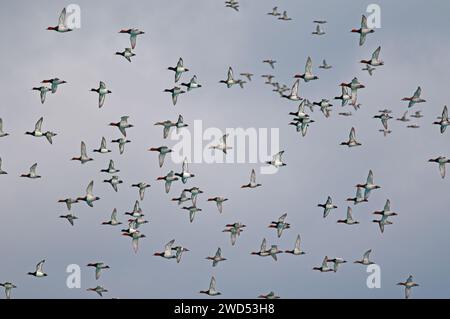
x=188 y=198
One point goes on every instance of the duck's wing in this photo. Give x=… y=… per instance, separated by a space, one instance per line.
x=212 y=284
x=219 y=206
x=253 y=176
x=133 y=40
x=376 y=53
x=90 y=188
x=166 y=131
x=325 y=262
x=362 y=38
x=308 y=66
x=297 y=242
x=167 y=186
x=351 y=136
x=161 y=157
x=114 y=215
x=282 y=218
x=40 y=265
x=101 y=99
x=444 y=115
x=442 y=169
x=230 y=74
x=370 y=177
x=359 y=192
x=103 y=143
x=387 y=206
x=83 y=149
x=263 y=246
x=277 y=156
x=43 y=93
x=367 y=254
x=135 y=244
x=38 y=125
x=364 y=22
x=33 y=169
x=329 y=201
x=111 y=165
x=62 y=18
x=185 y=167
x=279 y=231
x=223 y=139
x=218 y=252
x=295 y=88
x=168 y=246
x=349 y=213
x=417 y=93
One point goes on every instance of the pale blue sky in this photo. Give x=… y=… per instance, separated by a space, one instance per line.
x=210 y=38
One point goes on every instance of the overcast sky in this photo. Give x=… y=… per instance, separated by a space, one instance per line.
x=210 y=38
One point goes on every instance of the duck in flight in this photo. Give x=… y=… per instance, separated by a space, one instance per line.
x=222 y=146
x=102 y=91
x=169 y=178
x=133 y=35
x=39 y=272
x=175 y=91
x=185 y=174
x=351 y=139
x=325 y=65
x=318 y=30
x=270 y=62
x=62 y=26
x=363 y=31
x=369 y=185
x=365 y=260
x=135 y=236
x=89 y=198
x=192 y=211
x=234 y=230
x=284 y=17
x=327 y=207
x=219 y=202
x=111 y=169
x=280 y=225
x=99 y=266
x=408 y=284
x=324 y=267
x=142 y=186
x=274 y=12
x=42 y=91
x=252 y=183
x=163 y=151
x=195 y=191
x=297 y=250
x=8 y=287
x=375 y=59
x=113 y=220
x=359 y=198
x=32 y=174
x=103 y=149
x=308 y=75
x=336 y=262
x=270 y=295
x=114 y=181
x=293 y=96
x=247 y=75
x=99 y=290
x=68 y=202
x=127 y=54
x=83 y=158
x=230 y=81
x=216 y=258
x=70 y=218
x=345 y=97
x=383 y=221
x=192 y=84
x=212 y=291
x=179 y=69
x=39 y=133
x=263 y=252
x=415 y=98
x=122 y=125
x=54 y=83
x=122 y=142
x=349 y=220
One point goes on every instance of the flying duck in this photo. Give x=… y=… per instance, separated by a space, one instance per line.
x=219 y=201
x=192 y=84
x=351 y=139
x=222 y=144
x=217 y=257
x=102 y=91
x=369 y=69
x=293 y=96
x=39 y=272
x=284 y=17
x=270 y=62
x=133 y=35
x=43 y=92
x=408 y=284
x=404 y=117
x=114 y=181
x=270 y=295
x=274 y=12
x=296 y=251
x=365 y=260
x=113 y=220
x=121 y=141
x=324 y=267
x=8 y=287
x=263 y=252
x=444 y=122
x=137 y=211
x=276 y=160
x=417 y=114
x=234 y=230
x=363 y=30
x=280 y=225
x=359 y=198
x=70 y=218
x=32 y=174
x=103 y=149
x=354 y=86
x=375 y=60
x=230 y=81
x=122 y=125
x=83 y=158
x=142 y=186
x=252 y=183
x=89 y=198
x=169 y=178
x=178 y=69
x=62 y=26
x=349 y=220
x=212 y=288
x=325 y=65
x=415 y=98
x=183 y=198
x=247 y=75
x=308 y=75
x=386 y=210
x=99 y=290
x=162 y=150
x=127 y=54
x=98 y=268
x=369 y=185
x=175 y=91
x=110 y=169
x=37 y=129
x=327 y=207
x=441 y=160
x=54 y=83
x=166 y=127
x=385 y=131
x=413 y=126
x=300 y=114
x=345 y=113
x=179 y=250
x=185 y=174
